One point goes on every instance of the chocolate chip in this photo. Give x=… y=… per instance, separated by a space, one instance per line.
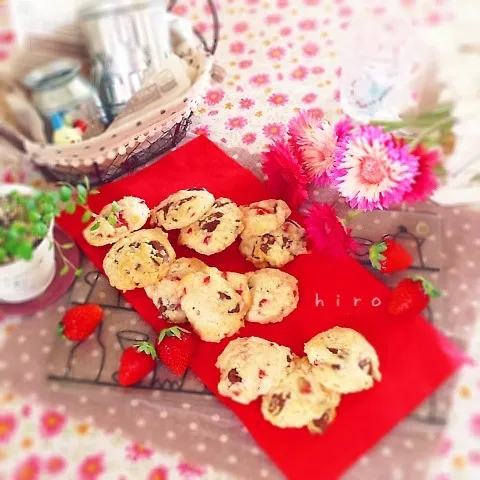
x=236 y=309
x=277 y=403
x=195 y=189
x=289 y=359
x=221 y=203
x=233 y=376
x=336 y=367
x=162 y=308
x=267 y=241
x=210 y=226
x=137 y=266
x=322 y=422
x=224 y=296
x=160 y=249
x=184 y=200
x=333 y=350
x=366 y=365
x=338 y=351
x=166 y=208
x=286 y=242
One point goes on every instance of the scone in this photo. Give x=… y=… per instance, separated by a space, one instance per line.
x=277 y=248
x=166 y=294
x=300 y=400
x=239 y=282
x=249 y=367
x=216 y=230
x=264 y=217
x=212 y=306
x=343 y=360
x=182 y=208
x=129 y=213
x=138 y=260
x=274 y=295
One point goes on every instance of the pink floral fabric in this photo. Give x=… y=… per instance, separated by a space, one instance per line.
x=280 y=56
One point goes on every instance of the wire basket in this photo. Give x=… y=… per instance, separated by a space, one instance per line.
x=120 y=150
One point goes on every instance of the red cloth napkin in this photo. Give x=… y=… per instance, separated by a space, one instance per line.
x=414 y=357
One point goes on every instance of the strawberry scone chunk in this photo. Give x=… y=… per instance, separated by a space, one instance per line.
x=274 y=295
x=264 y=217
x=249 y=367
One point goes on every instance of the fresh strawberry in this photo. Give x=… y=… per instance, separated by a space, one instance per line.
x=80 y=322
x=389 y=256
x=136 y=363
x=174 y=348
x=411 y=296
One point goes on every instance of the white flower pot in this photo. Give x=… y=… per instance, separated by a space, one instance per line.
x=21 y=281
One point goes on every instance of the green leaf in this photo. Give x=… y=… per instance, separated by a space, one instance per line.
x=70 y=207
x=81 y=195
x=47 y=218
x=12 y=235
x=86 y=181
x=39 y=229
x=67 y=246
x=3 y=254
x=146 y=347
x=112 y=219
x=19 y=227
x=115 y=207
x=65 y=193
x=30 y=205
x=47 y=208
x=78 y=272
x=11 y=247
x=25 y=250
x=64 y=270
x=86 y=216
x=95 y=226
x=34 y=216
x=60 y=328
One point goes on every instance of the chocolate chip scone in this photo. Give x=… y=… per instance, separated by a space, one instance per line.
x=212 y=306
x=264 y=217
x=116 y=220
x=138 y=260
x=239 y=282
x=274 y=295
x=343 y=359
x=300 y=400
x=249 y=367
x=182 y=208
x=216 y=230
x=277 y=248
x=167 y=293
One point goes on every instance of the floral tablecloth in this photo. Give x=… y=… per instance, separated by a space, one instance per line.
x=280 y=56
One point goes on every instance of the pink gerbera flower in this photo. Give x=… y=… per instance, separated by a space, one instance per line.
x=373 y=170
x=426 y=182
x=285 y=176
x=314 y=142
x=327 y=231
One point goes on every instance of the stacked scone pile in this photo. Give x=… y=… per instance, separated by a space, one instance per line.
x=215 y=303
x=298 y=392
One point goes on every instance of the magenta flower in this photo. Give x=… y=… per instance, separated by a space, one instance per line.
x=309 y=98
x=249 y=138
x=327 y=232
x=282 y=3
x=236 y=123
x=246 y=103
x=285 y=176
x=274 y=130
x=373 y=170
x=8 y=424
x=314 y=143
x=190 y=472
x=52 y=423
x=317 y=113
x=179 y=10
x=273 y=19
x=245 y=64
x=475 y=425
x=474 y=457
x=158 y=473
x=202 y=130
x=212 y=97
x=240 y=27
x=55 y=465
x=285 y=31
x=307 y=24
x=445 y=446
x=278 y=99
x=276 y=53
x=91 y=467
x=425 y=182
x=138 y=451
x=318 y=70
x=201 y=27
x=29 y=469
x=310 y=49
x=260 y=79
x=237 y=48
x=299 y=73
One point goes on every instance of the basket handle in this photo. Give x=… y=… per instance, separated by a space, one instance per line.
x=216 y=26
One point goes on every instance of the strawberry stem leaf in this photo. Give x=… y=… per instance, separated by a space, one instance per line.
x=429 y=289
x=171 y=332
x=60 y=330
x=147 y=348
x=375 y=254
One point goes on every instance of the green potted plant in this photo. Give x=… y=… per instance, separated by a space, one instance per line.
x=27 y=246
